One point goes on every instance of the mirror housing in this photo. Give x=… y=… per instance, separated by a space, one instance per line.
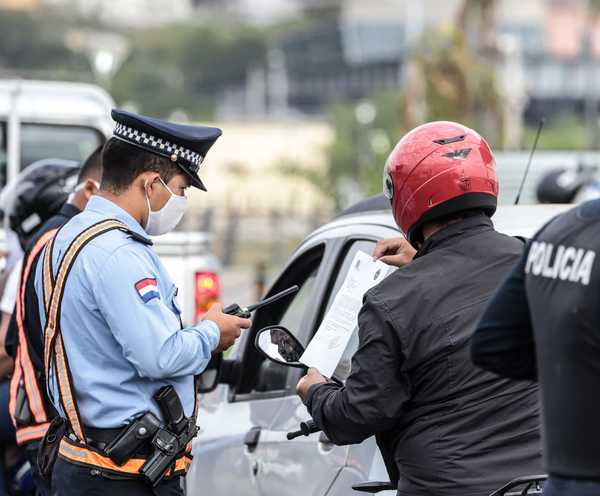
x=208 y=380
x=218 y=371
x=279 y=345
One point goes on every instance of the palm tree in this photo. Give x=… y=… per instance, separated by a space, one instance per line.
x=477 y=18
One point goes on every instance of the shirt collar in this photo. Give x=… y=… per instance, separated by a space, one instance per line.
x=470 y=225
x=111 y=210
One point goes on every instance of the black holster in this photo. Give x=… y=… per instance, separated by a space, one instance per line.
x=130 y=441
x=170 y=441
x=48 y=450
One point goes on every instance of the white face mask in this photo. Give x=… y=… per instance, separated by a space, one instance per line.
x=164 y=220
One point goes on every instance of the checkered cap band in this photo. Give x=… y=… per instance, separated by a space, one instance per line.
x=159 y=144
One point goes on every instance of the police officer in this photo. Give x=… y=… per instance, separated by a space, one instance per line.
x=542 y=324
x=113 y=339
x=443 y=427
x=50 y=193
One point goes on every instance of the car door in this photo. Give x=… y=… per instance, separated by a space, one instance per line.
x=236 y=419
x=310 y=465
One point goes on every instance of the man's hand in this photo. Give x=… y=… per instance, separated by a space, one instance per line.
x=396 y=252
x=229 y=325
x=313 y=376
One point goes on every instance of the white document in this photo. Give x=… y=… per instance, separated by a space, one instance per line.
x=330 y=341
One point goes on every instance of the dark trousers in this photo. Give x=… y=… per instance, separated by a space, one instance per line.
x=7 y=431
x=69 y=479
x=42 y=486
x=557 y=486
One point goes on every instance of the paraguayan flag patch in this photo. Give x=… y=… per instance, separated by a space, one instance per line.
x=147 y=289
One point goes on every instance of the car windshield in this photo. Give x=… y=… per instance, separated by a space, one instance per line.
x=3 y=153
x=39 y=141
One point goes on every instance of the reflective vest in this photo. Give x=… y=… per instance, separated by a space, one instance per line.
x=78 y=451
x=25 y=391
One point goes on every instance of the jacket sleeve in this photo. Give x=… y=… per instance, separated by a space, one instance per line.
x=147 y=330
x=503 y=341
x=10 y=340
x=371 y=401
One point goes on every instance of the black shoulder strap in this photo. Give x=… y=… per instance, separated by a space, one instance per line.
x=137 y=236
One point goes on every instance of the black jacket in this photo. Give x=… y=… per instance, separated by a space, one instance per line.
x=444 y=426
x=32 y=317
x=543 y=323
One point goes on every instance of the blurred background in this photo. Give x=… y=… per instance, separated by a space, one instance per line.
x=313 y=94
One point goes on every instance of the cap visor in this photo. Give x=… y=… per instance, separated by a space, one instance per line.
x=196 y=182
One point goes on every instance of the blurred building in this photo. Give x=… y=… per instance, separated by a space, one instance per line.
x=365 y=48
x=140 y=13
x=251 y=11
x=20 y=4
x=246 y=167
x=129 y=13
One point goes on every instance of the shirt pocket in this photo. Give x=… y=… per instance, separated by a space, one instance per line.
x=172 y=299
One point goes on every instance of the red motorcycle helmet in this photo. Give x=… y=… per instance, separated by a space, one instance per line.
x=436 y=170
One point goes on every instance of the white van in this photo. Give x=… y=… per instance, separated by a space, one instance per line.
x=49 y=119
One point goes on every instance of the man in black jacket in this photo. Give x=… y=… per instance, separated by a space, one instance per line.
x=48 y=197
x=443 y=426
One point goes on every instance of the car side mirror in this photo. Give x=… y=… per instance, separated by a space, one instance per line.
x=280 y=346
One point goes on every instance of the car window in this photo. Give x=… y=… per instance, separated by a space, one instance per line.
x=343 y=369
x=3 y=154
x=39 y=141
x=260 y=375
x=292 y=318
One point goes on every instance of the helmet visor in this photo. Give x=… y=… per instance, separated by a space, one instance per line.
x=388 y=185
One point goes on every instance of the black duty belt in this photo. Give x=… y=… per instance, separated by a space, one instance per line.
x=101 y=438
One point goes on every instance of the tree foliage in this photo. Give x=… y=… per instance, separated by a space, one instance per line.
x=186 y=66
x=27 y=43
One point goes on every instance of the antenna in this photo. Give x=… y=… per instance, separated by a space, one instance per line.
x=533 y=148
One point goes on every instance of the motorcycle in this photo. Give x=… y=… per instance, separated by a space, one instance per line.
x=17 y=472
x=278 y=344
x=566 y=185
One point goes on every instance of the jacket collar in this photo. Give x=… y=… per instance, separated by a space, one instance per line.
x=473 y=224
x=69 y=210
x=108 y=209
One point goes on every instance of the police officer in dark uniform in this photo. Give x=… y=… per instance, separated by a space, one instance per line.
x=50 y=193
x=443 y=427
x=543 y=324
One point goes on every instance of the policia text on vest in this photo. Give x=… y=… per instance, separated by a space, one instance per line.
x=566 y=263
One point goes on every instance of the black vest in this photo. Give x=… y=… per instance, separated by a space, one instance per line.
x=563 y=290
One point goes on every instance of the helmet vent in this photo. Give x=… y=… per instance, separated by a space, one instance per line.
x=458 y=154
x=447 y=141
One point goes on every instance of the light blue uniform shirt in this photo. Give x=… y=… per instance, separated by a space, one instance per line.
x=122 y=343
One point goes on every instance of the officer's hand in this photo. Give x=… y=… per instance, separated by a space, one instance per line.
x=229 y=325
x=396 y=252
x=313 y=376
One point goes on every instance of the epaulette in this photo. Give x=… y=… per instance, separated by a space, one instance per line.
x=138 y=237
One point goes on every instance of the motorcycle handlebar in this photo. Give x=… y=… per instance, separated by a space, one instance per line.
x=306 y=429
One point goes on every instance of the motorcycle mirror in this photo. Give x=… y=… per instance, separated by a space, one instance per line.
x=280 y=346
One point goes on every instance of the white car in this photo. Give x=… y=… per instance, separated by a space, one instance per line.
x=242 y=447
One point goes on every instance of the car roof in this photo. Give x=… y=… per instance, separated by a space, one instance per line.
x=515 y=220
x=58 y=102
